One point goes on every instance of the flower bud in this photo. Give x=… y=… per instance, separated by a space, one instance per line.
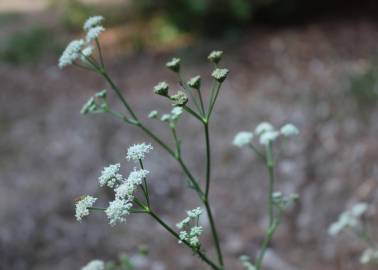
x=174 y=64
x=195 y=82
x=220 y=74
x=161 y=89
x=179 y=99
x=215 y=56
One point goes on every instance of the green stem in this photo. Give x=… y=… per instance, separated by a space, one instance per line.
x=174 y=234
x=145 y=189
x=214 y=233
x=270 y=166
x=189 y=91
x=265 y=244
x=214 y=94
x=100 y=53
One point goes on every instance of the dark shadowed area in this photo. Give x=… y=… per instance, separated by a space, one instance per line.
x=319 y=72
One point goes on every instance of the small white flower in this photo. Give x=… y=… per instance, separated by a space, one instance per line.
x=117 y=210
x=243 y=138
x=153 y=114
x=94 y=265
x=137 y=152
x=289 y=130
x=174 y=64
x=136 y=176
x=194 y=213
x=161 y=89
x=110 y=175
x=176 y=112
x=92 y=22
x=195 y=82
x=88 y=51
x=83 y=205
x=263 y=127
x=182 y=223
x=268 y=137
x=71 y=53
x=194 y=241
x=348 y=219
x=196 y=231
x=126 y=189
x=220 y=74
x=215 y=56
x=94 y=33
x=369 y=255
x=165 y=117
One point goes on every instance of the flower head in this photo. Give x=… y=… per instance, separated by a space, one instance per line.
x=87 y=51
x=117 y=210
x=369 y=255
x=94 y=33
x=137 y=152
x=268 y=137
x=215 y=56
x=194 y=213
x=220 y=74
x=94 y=265
x=243 y=138
x=81 y=207
x=289 y=130
x=263 y=127
x=174 y=64
x=71 y=53
x=110 y=175
x=179 y=99
x=92 y=22
x=195 y=82
x=161 y=89
x=136 y=176
x=348 y=219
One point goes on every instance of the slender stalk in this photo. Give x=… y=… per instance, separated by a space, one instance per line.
x=208 y=159
x=174 y=234
x=214 y=93
x=270 y=166
x=100 y=53
x=201 y=101
x=214 y=233
x=189 y=91
x=265 y=244
x=145 y=189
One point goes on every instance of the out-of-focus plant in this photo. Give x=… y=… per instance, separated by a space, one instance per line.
x=352 y=220
x=27 y=46
x=364 y=87
x=132 y=192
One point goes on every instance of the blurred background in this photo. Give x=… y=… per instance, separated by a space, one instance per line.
x=312 y=63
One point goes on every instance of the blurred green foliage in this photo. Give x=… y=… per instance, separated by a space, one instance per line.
x=28 y=45
x=123 y=263
x=364 y=87
x=75 y=12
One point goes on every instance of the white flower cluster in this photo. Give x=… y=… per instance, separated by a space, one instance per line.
x=369 y=255
x=172 y=117
x=81 y=207
x=127 y=188
x=80 y=49
x=266 y=133
x=220 y=74
x=137 y=152
x=117 y=210
x=110 y=176
x=349 y=219
x=94 y=265
x=190 y=234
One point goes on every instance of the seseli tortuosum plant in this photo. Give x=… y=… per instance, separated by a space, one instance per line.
x=131 y=193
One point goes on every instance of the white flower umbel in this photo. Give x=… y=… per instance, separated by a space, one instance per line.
x=220 y=74
x=136 y=176
x=289 y=130
x=117 y=211
x=110 y=176
x=137 y=152
x=195 y=82
x=92 y=22
x=81 y=207
x=87 y=51
x=190 y=235
x=348 y=219
x=71 y=53
x=94 y=33
x=215 y=56
x=94 y=265
x=174 y=64
x=369 y=255
x=127 y=188
x=242 y=139
x=268 y=137
x=153 y=114
x=263 y=127
x=161 y=89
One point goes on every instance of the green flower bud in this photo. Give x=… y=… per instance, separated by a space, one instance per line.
x=179 y=99
x=174 y=64
x=161 y=89
x=89 y=106
x=220 y=74
x=215 y=56
x=153 y=114
x=195 y=82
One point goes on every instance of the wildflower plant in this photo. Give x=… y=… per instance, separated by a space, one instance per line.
x=131 y=193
